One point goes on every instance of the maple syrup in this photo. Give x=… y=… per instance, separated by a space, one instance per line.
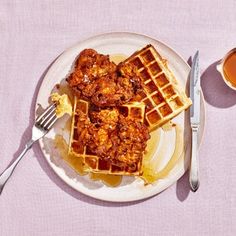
x=117 y=58
x=229 y=68
x=110 y=180
x=78 y=165
x=150 y=166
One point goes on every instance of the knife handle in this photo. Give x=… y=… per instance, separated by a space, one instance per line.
x=193 y=172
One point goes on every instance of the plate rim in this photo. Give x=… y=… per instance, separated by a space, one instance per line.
x=118 y=34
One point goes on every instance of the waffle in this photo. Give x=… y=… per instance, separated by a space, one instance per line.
x=163 y=96
x=91 y=161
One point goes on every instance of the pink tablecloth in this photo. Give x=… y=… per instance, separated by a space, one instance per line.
x=36 y=201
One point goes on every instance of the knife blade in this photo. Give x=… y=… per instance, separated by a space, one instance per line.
x=195 y=89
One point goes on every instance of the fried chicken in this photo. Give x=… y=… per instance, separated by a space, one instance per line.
x=105 y=130
x=97 y=79
x=110 y=135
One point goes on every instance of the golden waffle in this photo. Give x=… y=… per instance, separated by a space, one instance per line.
x=91 y=161
x=163 y=97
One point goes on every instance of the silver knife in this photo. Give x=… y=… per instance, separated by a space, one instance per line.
x=195 y=89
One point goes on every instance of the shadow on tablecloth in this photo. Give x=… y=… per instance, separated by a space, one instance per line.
x=215 y=91
x=26 y=136
x=182 y=187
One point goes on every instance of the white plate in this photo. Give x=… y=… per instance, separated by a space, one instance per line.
x=131 y=188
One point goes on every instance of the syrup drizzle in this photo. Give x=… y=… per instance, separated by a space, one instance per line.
x=229 y=68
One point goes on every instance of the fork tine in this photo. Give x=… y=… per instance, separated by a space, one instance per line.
x=48 y=116
x=48 y=110
x=51 y=122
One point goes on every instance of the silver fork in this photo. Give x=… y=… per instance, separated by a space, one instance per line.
x=41 y=127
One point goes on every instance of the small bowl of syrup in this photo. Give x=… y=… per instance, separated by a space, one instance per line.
x=227 y=68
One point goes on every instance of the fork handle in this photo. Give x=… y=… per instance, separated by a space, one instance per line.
x=9 y=170
x=193 y=172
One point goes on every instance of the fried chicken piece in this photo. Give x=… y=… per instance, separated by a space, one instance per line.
x=94 y=64
x=97 y=79
x=106 y=92
x=103 y=123
x=129 y=71
x=83 y=125
x=133 y=137
x=89 y=66
x=112 y=136
x=133 y=133
x=107 y=118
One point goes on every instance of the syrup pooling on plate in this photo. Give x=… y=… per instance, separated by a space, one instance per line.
x=73 y=161
x=78 y=165
x=110 y=180
x=150 y=166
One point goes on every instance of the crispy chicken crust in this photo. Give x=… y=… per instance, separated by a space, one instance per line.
x=97 y=79
x=105 y=131
x=110 y=135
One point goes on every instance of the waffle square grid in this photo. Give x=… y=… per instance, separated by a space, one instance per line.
x=91 y=161
x=163 y=97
